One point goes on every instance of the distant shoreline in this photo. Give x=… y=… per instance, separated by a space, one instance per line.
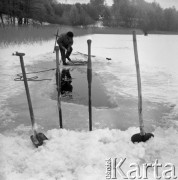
x=120 y=30
x=16 y=34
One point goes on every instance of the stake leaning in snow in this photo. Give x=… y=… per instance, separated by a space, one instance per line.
x=89 y=77
x=37 y=138
x=142 y=136
x=58 y=83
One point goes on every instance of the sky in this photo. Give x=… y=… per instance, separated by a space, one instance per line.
x=166 y=3
x=163 y=3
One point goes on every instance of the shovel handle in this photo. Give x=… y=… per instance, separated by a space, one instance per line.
x=142 y=132
x=55 y=40
x=27 y=91
x=58 y=83
x=89 y=78
x=18 y=54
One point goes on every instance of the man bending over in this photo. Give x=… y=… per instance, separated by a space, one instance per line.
x=65 y=42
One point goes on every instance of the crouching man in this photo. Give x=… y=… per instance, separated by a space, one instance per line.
x=65 y=42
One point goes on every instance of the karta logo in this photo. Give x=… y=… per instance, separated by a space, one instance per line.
x=114 y=170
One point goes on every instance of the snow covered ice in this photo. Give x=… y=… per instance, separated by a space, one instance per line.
x=81 y=155
x=74 y=153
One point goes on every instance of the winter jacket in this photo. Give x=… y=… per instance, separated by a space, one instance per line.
x=65 y=41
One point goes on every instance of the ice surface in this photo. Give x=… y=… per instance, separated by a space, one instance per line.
x=74 y=155
x=81 y=155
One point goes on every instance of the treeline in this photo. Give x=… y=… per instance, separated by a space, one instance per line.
x=23 y=10
x=125 y=13
x=143 y=15
x=50 y=11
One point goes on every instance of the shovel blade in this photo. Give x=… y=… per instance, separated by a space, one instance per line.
x=38 y=140
x=34 y=141
x=137 y=138
x=41 y=137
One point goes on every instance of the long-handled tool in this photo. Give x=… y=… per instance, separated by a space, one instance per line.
x=37 y=138
x=142 y=136
x=58 y=83
x=56 y=35
x=89 y=78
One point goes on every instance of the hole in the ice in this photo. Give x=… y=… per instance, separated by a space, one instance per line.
x=74 y=88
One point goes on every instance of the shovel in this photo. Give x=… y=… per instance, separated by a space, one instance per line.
x=142 y=136
x=37 y=138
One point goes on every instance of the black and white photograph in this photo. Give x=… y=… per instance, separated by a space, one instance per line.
x=88 y=89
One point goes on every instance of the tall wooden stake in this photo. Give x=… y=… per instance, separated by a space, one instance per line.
x=89 y=77
x=55 y=40
x=142 y=132
x=142 y=136
x=58 y=83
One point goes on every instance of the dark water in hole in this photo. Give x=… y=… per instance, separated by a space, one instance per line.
x=74 y=88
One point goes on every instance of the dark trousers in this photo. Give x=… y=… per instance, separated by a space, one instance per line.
x=65 y=55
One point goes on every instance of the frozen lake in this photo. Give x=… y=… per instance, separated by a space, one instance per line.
x=158 y=62
x=114 y=107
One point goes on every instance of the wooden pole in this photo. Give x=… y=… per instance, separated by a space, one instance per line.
x=56 y=40
x=89 y=78
x=27 y=93
x=37 y=138
x=142 y=132
x=58 y=83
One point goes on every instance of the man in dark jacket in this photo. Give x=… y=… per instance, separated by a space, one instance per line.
x=65 y=42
